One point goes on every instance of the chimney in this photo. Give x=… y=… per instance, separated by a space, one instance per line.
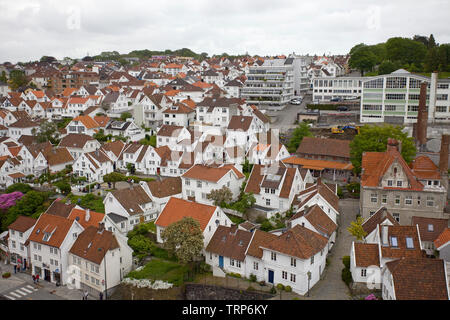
x=88 y=215
x=101 y=227
x=443 y=157
x=422 y=117
x=392 y=144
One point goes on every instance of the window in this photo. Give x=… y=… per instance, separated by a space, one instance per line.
x=56 y=262
x=374 y=197
x=267 y=202
x=92 y=279
x=199 y=184
x=408 y=200
x=395 y=96
x=187 y=182
x=430 y=228
x=397 y=199
x=396 y=216
x=394 y=242
x=284 y=275
x=231 y=262
x=273 y=256
x=399 y=183
x=272 y=191
x=293 y=262
x=51 y=261
x=430 y=201
x=86 y=276
x=409 y=243
x=292 y=277
x=390 y=183
x=267 y=190
x=384 y=198
x=312 y=260
x=363 y=273
x=238 y=264
x=255 y=265
x=97 y=282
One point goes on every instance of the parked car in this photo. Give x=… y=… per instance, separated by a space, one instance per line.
x=342 y=108
x=296 y=101
x=336 y=100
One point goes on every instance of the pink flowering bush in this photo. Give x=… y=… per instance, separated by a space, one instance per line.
x=8 y=200
x=371 y=297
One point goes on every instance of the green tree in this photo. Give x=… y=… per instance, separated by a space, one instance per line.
x=220 y=196
x=356 y=47
x=297 y=136
x=48 y=131
x=113 y=177
x=131 y=168
x=356 y=228
x=3 y=77
x=22 y=187
x=423 y=39
x=374 y=138
x=124 y=116
x=432 y=60
x=17 y=79
x=387 y=67
x=405 y=51
x=444 y=57
x=184 y=239
x=363 y=59
x=379 y=50
x=64 y=187
x=431 y=42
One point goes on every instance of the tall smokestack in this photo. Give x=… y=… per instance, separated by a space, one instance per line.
x=443 y=154
x=422 y=117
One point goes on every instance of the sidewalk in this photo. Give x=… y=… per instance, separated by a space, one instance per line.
x=61 y=291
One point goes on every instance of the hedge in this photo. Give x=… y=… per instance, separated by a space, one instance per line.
x=322 y=106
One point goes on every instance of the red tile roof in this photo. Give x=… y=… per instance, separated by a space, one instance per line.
x=443 y=238
x=207 y=173
x=176 y=209
x=22 y=223
x=80 y=216
x=366 y=254
x=56 y=225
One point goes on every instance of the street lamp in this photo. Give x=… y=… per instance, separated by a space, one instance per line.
x=309 y=278
x=106 y=287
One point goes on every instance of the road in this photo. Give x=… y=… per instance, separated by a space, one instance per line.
x=285 y=119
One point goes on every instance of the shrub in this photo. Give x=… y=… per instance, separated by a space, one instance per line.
x=235 y=275
x=280 y=286
x=204 y=267
x=295 y=298
x=262 y=283
x=346 y=276
x=273 y=290
x=6 y=275
x=288 y=289
x=250 y=288
x=346 y=261
x=64 y=187
x=252 y=278
x=22 y=187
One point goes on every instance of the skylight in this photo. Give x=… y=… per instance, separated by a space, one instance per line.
x=430 y=228
x=394 y=242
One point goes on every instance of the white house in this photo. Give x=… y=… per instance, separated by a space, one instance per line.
x=93 y=165
x=209 y=217
x=200 y=180
x=78 y=144
x=19 y=231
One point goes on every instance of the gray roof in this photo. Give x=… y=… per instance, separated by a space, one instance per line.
x=116 y=218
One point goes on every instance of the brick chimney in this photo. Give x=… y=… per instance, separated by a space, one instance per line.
x=443 y=154
x=422 y=117
x=392 y=144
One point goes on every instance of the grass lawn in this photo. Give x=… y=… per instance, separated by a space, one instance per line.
x=235 y=219
x=89 y=201
x=158 y=269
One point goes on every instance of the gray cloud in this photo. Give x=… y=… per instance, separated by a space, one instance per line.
x=31 y=28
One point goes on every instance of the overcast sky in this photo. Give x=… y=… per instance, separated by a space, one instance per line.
x=30 y=29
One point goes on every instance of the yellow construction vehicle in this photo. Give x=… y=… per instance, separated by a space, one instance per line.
x=337 y=129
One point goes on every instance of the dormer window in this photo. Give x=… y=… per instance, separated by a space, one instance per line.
x=399 y=183
x=47 y=236
x=430 y=228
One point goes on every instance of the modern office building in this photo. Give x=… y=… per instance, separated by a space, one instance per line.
x=325 y=89
x=271 y=85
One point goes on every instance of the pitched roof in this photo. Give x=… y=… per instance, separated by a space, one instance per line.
x=75 y=140
x=131 y=198
x=207 y=173
x=442 y=239
x=176 y=209
x=419 y=279
x=378 y=218
x=240 y=123
x=58 y=156
x=366 y=254
x=324 y=146
x=59 y=208
x=87 y=121
x=424 y=168
x=424 y=223
x=92 y=244
x=165 y=188
x=24 y=123
x=115 y=147
x=298 y=242
x=230 y=242
x=57 y=226
x=80 y=216
x=169 y=130
x=317 y=164
x=22 y=223
x=375 y=165
x=318 y=219
x=401 y=250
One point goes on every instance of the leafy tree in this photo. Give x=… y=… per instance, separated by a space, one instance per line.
x=247 y=166
x=17 y=79
x=140 y=244
x=432 y=60
x=379 y=50
x=297 y=136
x=48 y=59
x=356 y=228
x=113 y=177
x=444 y=57
x=356 y=47
x=374 y=138
x=124 y=116
x=387 y=67
x=431 y=42
x=363 y=59
x=64 y=187
x=220 y=196
x=405 y=50
x=22 y=187
x=131 y=168
x=184 y=239
x=3 y=77
x=100 y=136
x=423 y=39
x=48 y=131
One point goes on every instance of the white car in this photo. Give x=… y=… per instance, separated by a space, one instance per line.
x=296 y=101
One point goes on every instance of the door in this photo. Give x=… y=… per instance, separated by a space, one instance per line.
x=220 y=262
x=141 y=219
x=47 y=275
x=270 y=276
